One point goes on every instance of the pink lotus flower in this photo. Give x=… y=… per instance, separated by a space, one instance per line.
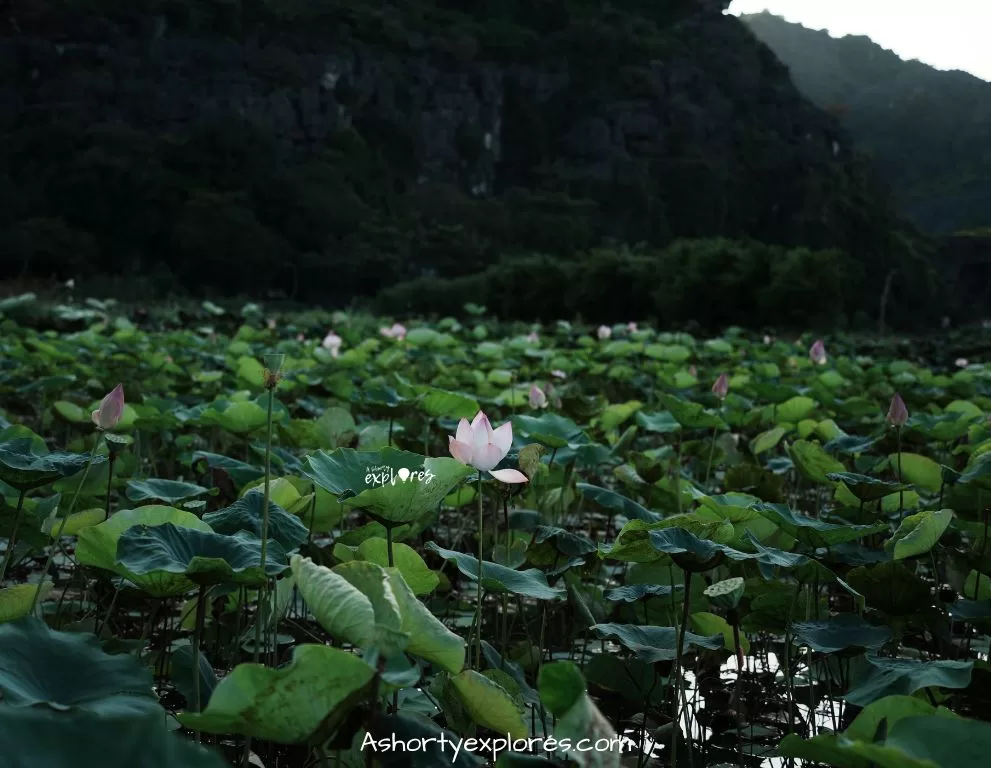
x=631 y=327
x=481 y=447
x=271 y=323
x=767 y=339
x=333 y=342
x=397 y=331
x=604 y=332
x=693 y=371
x=559 y=374
x=533 y=337
x=897 y=412
x=817 y=353
x=721 y=388
x=962 y=362
x=111 y=409
x=537 y=397
x=300 y=337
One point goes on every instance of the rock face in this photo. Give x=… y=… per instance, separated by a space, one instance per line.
x=643 y=128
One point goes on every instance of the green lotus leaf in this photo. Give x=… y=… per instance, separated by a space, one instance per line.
x=203 y=557
x=16 y=601
x=890 y=587
x=920 y=471
x=439 y=402
x=118 y=732
x=169 y=491
x=890 y=709
x=563 y=692
x=24 y=468
x=489 y=704
x=394 y=486
x=407 y=560
x=247 y=513
x=616 y=502
x=303 y=702
x=765 y=441
x=919 y=533
x=867 y=488
x=370 y=606
x=97 y=546
x=240 y=418
x=39 y=665
x=499 y=578
x=549 y=429
x=652 y=644
x=633 y=592
x=840 y=633
x=892 y=676
x=690 y=415
x=813 y=532
x=812 y=461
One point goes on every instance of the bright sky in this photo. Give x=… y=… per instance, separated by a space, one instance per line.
x=946 y=34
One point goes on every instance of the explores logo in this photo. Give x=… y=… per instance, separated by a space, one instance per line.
x=379 y=476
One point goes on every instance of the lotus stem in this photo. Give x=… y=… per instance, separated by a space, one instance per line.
x=478 y=606
x=388 y=545
x=263 y=589
x=712 y=451
x=197 y=632
x=901 y=493
x=110 y=481
x=9 y=554
x=676 y=725
x=72 y=504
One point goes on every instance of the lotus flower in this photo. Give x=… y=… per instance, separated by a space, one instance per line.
x=481 y=447
x=333 y=342
x=111 y=409
x=533 y=337
x=604 y=332
x=693 y=371
x=817 y=353
x=897 y=412
x=631 y=327
x=721 y=388
x=559 y=374
x=271 y=323
x=537 y=397
x=397 y=331
x=962 y=362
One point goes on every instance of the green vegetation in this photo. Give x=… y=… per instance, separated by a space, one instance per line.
x=695 y=551
x=927 y=130
x=328 y=151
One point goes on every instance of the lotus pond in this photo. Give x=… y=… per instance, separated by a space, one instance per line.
x=312 y=540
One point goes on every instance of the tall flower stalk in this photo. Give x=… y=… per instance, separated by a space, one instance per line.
x=478 y=445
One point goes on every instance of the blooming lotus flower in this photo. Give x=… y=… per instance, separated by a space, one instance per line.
x=111 y=409
x=721 y=388
x=897 y=412
x=333 y=342
x=817 y=353
x=397 y=331
x=481 y=447
x=559 y=374
x=604 y=332
x=962 y=362
x=537 y=397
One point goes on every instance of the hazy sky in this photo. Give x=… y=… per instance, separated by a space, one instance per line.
x=947 y=34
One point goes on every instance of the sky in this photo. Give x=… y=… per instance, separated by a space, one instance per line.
x=946 y=34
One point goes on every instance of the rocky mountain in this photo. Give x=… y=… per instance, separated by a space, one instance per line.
x=928 y=131
x=330 y=148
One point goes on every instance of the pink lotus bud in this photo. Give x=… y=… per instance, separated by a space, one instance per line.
x=559 y=374
x=333 y=343
x=767 y=339
x=693 y=371
x=300 y=337
x=111 y=409
x=817 y=353
x=533 y=337
x=396 y=331
x=897 y=412
x=604 y=332
x=721 y=388
x=537 y=397
x=631 y=327
x=271 y=324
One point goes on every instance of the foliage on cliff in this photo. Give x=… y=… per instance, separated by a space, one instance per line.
x=328 y=150
x=927 y=130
